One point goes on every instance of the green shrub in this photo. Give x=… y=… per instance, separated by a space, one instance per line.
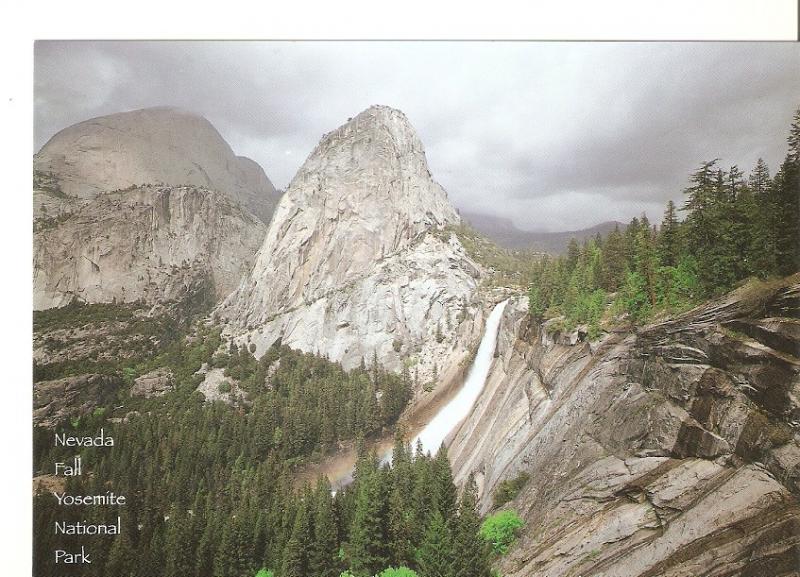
x=500 y=530
x=536 y=304
x=678 y=287
x=265 y=573
x=78 y=314
x=224 y=387
x=128 y=375
x=220 y=360
x=509 y=488
x=634 y=297
x=399 y=572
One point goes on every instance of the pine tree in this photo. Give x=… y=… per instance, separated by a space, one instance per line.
x=738 y=214
x=323 y=555
x=444 y=490
x=748 y=214
x=629 y=237
x=179 y=546
x=762 y=238
x=470 y=550
x=793 y=139
x=573 y=253
x=536 y=306
x=206 y=547
x=295 y=557
x=434 y=556
x=719 y=262
x=375 y=366
x=613 y=261
x=646 y=260
x=707 y=233
x=401 y=514
x=669 y=248
x=368 y=549
x=225 y=560
x=422 y=503
x=786 y=205
x=759 y=180
x=258 y=551
x=152 y=565
x=700 y=195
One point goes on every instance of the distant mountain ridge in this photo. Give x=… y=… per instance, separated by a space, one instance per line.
x=503 y=232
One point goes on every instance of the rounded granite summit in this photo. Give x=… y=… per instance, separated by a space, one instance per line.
x=162 y=145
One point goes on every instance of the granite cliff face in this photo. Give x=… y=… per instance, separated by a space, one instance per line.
x=150 y=243
x=163 y=145
x=56 y=400
x=146 y=205
x=670 y=451
x=356 y=260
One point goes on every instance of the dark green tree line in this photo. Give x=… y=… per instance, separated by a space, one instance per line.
x=733 y=228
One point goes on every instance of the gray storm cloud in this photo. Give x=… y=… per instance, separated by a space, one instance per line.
x=554 y=136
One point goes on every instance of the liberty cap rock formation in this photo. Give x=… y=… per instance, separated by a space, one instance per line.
x=356 y=260
x=146 y=205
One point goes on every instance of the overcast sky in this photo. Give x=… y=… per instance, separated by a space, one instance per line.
x=555 y=136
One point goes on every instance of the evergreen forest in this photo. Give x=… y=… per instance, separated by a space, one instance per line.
x=212 y=486
x=731 y=227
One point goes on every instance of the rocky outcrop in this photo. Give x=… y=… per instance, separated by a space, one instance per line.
x=356 y=260
x=54 y=401
x=106 y=341
x=217 y=387
x=670 y=451
x=164 y=146
x=149 y=243
x=156 y=383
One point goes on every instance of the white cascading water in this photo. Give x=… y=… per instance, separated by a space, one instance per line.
x=435 y=432
x=448 y=418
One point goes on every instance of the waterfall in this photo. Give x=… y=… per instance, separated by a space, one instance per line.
x=459 y=407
